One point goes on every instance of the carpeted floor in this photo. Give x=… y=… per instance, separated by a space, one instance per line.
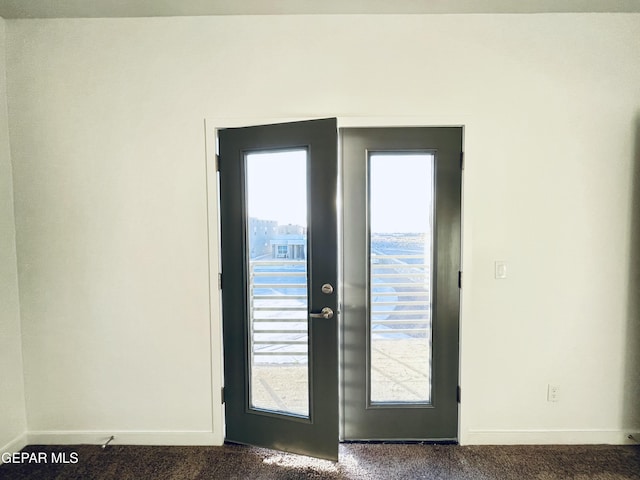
x=357 y=461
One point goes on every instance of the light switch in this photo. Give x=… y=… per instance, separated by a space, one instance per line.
x=500 y=270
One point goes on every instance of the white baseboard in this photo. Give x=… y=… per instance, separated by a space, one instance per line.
x=548 y=437
x=123 y=438
x=14 y=445
x=470 y=437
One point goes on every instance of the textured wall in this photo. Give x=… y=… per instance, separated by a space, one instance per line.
x=106 y=121
x=12 y=406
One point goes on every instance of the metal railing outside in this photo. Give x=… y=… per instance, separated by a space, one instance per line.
x=278 y=307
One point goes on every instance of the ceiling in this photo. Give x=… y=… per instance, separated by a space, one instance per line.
x=12 y=9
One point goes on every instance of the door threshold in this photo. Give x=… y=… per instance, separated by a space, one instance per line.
x=402 y=442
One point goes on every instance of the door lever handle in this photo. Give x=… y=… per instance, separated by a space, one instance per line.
x=325 y=313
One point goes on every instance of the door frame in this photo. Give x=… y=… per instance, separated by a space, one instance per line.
x=211 y=124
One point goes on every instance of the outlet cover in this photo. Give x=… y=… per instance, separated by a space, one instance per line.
x=553 y=393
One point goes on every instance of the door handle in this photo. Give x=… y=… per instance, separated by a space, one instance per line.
x=325 y=313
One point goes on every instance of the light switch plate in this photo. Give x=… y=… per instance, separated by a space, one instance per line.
x=500 y=270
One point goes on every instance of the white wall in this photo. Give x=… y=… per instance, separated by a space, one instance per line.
x=12 y=407
x=111 y=205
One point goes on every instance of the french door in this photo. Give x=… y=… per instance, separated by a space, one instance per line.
x=278 y=187
x=284 y=305
x=401 y=258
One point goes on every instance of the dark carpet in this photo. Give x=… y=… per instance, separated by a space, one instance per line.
x=357 y=461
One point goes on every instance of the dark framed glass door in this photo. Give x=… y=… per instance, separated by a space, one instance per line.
x=278 y=187
x=401 y=230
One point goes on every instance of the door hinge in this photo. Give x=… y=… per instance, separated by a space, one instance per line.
x=458 y=393
x=459 y=279
x=217 y=163
x=222 y=395
x=461 y=160
x=219 y=281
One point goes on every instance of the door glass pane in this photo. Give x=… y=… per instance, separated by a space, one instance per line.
x=400 y=252
x=276 y=186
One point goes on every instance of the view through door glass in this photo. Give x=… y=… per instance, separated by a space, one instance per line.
x=400 y=220
x=276 y=191
x=278 y=187
x=401 y=257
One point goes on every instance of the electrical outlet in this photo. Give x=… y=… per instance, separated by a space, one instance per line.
x=553 y=393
